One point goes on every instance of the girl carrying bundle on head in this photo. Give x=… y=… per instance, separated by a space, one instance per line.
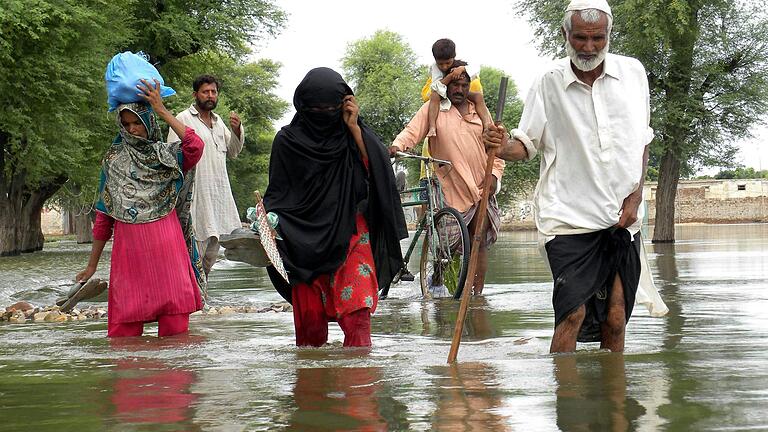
x=144 y=198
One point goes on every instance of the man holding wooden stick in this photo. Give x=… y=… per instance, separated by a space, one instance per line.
x=462 y=144
x=589 y=117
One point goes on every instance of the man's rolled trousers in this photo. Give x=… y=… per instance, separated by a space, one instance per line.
x=584 y=267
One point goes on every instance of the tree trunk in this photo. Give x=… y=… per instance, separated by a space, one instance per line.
x=17 y=233
x=20 y=229
x=8 y=219
x=32 y=238
x=666 y=192
x=67 y=221
x=83 y=227
x=9 y=232
x=675 y=128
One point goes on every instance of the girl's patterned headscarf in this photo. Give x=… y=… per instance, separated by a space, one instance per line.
x=140 y=177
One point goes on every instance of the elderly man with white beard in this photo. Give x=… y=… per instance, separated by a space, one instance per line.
x=588 y=115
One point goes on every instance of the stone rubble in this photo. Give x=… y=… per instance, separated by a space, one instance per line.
x=23 y=312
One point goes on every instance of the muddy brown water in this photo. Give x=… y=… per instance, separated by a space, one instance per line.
x=703 y=367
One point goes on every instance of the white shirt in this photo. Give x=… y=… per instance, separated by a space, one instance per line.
x=213 y=208
x=592 y=141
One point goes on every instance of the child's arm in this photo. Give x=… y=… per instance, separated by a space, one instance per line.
x=452 y=75
x=481 y=108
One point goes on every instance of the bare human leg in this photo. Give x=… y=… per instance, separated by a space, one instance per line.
x=433 y=111
x=482 y=257
x=564 y=339
x=482 y=268
x=209 y=251
x=481 y=109
x=612 y=330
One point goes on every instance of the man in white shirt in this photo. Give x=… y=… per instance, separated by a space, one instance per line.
x=588 y=115
x=213 y=207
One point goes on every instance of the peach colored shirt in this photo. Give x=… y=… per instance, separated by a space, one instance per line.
x=459 y=140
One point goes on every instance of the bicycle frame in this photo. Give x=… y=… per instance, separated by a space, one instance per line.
x=434 y=202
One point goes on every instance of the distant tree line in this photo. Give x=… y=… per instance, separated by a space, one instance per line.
x=738 y=173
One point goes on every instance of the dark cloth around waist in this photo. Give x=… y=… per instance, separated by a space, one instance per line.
x=584 y=267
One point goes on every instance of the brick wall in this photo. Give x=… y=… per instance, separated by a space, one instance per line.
x=690 y=208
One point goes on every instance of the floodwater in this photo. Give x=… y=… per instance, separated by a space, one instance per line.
x=703 y=367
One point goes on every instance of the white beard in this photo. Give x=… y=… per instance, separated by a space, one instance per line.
x=585 y=65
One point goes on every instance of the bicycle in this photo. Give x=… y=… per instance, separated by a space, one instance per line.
x=445 y=248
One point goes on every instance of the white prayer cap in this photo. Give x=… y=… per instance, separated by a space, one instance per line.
x=601 y=5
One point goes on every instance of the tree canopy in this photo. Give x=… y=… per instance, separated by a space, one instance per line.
x=54 y=127
x=248 y=89
x=386 y=76
x=172 y=29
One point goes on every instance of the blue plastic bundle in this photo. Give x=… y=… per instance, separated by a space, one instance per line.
x=124 y=72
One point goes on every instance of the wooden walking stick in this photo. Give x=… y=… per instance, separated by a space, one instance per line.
x=479 y=232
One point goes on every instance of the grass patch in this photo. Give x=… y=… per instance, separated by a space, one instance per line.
x=52 y=238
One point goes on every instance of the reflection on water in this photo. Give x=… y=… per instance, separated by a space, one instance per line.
x=468 y=398
x=592 y=394
x=344 y=399
x=438 y=319
x=700 y=368
x=148 y=391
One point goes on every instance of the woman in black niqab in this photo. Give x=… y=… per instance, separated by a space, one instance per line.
x=339 y=214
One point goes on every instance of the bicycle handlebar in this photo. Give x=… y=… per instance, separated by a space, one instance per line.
x=403 y=155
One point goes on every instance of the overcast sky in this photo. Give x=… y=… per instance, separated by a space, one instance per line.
x=318 y=32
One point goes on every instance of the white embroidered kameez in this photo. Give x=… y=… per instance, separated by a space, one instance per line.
x=213 y=207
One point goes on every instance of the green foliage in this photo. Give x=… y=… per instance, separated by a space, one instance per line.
x=247 y=89
x=250 y=171
x=652 y=174
x=707 y=67
x=387 y=80
x=513 y=106
x=54 y=127
x=519 y=177
x=384 y=72
x=742 y=173
x=52 y=62
x=173 y=29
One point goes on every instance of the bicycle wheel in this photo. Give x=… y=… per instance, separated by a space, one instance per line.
x=445 y=255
